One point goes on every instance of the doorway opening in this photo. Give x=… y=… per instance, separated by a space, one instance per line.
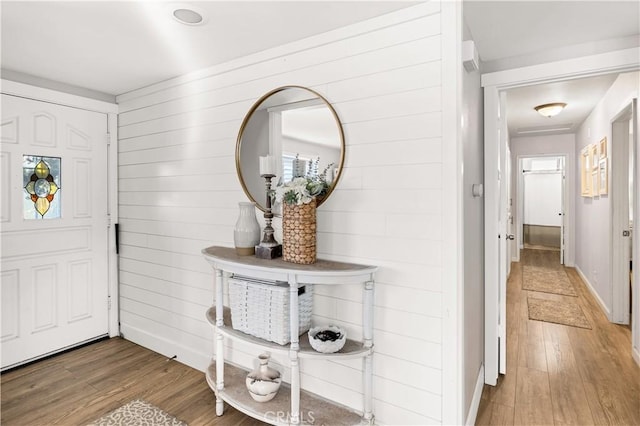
x=495 y=87
x=541 y=199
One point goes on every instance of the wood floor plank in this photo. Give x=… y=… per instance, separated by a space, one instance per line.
x=570 y=404
x=17 y=383
x=495 y=414
x=37 y=411
x=505 y=390
x=533 y=398
x=555 y=333
x=80 y=386
x=531 y=354
x=114 y=394
x=513 y=343
x=612 y=395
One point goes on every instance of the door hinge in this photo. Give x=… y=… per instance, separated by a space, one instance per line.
x=108 y=139
x=108 y=221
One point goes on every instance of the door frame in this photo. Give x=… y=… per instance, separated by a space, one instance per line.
x=566 y=217
x=111 y=110
x=494 y=84
x=619 y=209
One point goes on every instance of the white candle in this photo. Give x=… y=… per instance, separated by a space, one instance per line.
x=267 y=165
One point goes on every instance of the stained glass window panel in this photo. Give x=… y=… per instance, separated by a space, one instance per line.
x=41 y=182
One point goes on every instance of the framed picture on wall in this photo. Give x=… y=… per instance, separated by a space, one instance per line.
x=603 y=177
x=593 y=153
x=595 y=181
x=585 y=169
x=602 y=148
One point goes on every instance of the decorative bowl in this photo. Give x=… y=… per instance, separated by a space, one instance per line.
x=327 y=339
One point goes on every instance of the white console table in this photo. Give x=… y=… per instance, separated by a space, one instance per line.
x=228 y=381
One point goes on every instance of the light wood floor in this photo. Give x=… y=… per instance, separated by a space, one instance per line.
x=80 y=386
x=558 y=374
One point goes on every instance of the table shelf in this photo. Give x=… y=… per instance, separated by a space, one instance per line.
x=313 y=408
x=291 y=405
x=351 y=349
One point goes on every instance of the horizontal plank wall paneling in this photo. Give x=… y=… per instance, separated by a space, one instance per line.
x=179 y=192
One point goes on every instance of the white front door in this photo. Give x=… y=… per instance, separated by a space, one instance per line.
x=54 y=228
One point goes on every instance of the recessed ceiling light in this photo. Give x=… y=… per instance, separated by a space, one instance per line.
x=549 y=110
x=188 y=16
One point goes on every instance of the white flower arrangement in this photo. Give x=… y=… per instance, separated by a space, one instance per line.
x=302 y=190
x=298 y=191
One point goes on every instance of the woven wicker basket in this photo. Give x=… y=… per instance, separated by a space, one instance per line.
x=261 y=308
x=299 y=233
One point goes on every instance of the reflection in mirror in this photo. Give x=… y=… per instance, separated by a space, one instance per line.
x=300 y=129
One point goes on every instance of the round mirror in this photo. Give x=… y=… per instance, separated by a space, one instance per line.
x=301 y=132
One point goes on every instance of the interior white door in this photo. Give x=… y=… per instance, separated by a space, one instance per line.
x=495 y=152
x=503 y=225
x=561 y=213
x=54 y=265
x=635 y=185
x=510 y=234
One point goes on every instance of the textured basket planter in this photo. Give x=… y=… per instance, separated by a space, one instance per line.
x=299 y=233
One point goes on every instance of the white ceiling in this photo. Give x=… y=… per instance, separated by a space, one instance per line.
x=520 y=33
x=503 y=29
x=114 y=47
x=117 y=46
x=580 y=96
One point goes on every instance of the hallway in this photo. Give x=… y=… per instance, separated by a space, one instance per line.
x=559 y=374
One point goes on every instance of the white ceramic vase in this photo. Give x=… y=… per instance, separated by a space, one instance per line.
x=263 y=382
x=246 y=234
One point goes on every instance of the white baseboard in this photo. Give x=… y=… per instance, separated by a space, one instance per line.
x=594 y=293
x=475 y=401
x=636 y=355
x=167 y=348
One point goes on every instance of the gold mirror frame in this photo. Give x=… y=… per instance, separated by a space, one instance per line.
x=261 y=204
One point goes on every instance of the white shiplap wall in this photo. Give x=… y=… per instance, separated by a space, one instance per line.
x=179 y=191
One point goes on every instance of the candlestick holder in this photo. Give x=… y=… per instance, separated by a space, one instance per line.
x=268 y=248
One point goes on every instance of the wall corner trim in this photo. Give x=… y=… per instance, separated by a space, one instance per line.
x=475 y=402
x=453 y=355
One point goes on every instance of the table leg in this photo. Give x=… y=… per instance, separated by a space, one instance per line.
x=368 y=342
x=293 y=352
x=220 y=278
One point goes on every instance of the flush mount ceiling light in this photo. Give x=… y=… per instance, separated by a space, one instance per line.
x=549 y=110
x=187 y=15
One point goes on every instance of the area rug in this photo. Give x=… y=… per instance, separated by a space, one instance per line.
x=547 y=281
x=138 y=413
x=563 y=312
